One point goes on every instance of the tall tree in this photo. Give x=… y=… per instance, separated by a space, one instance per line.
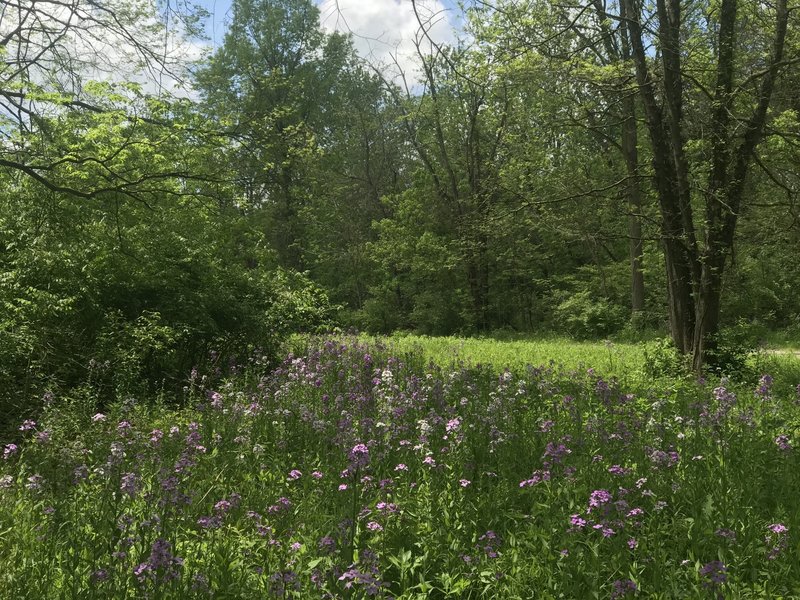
x=737 y=82
x=273 y=82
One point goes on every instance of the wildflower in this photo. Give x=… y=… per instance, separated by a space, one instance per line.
x=401 y=467
x=294 y=475
x=98 y=576
x=27 y=425
x=764 y=386
x=536 y=478
x=6 y=481
x=327 y=545
x=374 y=526
x=35 y=482
x=295 y=546
x=200 y=581
x=783 y=443
x=623 y=587
x=129 y=484
x=161 y=564
x=342 y=487
x=316 y=475
x=9 y=450
x=715 y=572
x=778 y=528
x=577 y=521
x=283 y=504
x=598 y=498
x=430 y=461
x=727 y=534
x=778 y=539
x=632 y=543
x=359 y=456
x=464 y=482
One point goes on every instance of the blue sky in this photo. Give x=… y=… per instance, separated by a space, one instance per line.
x=382 y=29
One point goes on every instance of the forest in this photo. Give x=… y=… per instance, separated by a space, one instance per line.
x=178 y=217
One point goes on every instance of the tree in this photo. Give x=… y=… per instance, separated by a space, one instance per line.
x=54 y=52
x=731 y=88
x=272 y=84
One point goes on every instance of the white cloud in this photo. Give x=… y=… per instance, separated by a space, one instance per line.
x=384 y=31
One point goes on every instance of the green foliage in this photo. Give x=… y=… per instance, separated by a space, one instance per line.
x=733 y=346
x=662 y=359
x=585 y=316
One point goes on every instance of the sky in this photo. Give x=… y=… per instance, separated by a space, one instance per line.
x=383 y=30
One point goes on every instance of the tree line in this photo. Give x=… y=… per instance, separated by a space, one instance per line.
x=590 y=168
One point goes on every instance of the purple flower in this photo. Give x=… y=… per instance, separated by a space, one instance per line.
x=778 y=528
x=216 y=400
x=359 y=456
x=623 y=587
x=129 y=484
x=453 y=425
x=161 y=565
x=80 y=473
x=283 y=504
x=327 y=545
x=715 y=572
x=98 y=576
x=374 y=526
x=598 y=498
x=727 y=534
x=577 y=521
x=764 y=386
x=9 y=450
x=294 y=474
x=27 y=425
x=35 y=482
x=783 y=443
x=535 y=479
x=98 y=418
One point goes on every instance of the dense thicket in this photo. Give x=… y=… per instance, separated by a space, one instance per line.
x=542 y=175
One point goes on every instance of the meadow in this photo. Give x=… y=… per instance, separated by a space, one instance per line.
x=414 y=468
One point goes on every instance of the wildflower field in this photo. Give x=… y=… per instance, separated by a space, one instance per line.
x=353 y=471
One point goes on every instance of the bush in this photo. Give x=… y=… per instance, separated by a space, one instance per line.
x=662 y=359
x=732 y=346
x=585 y=316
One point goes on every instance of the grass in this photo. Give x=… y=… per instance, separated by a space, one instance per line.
x=607 y=357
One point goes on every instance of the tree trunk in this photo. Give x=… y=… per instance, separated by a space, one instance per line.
x=630 y=150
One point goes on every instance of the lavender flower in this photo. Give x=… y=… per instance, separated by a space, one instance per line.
x=622 y=588
x=129 y=484
x=715 y=573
